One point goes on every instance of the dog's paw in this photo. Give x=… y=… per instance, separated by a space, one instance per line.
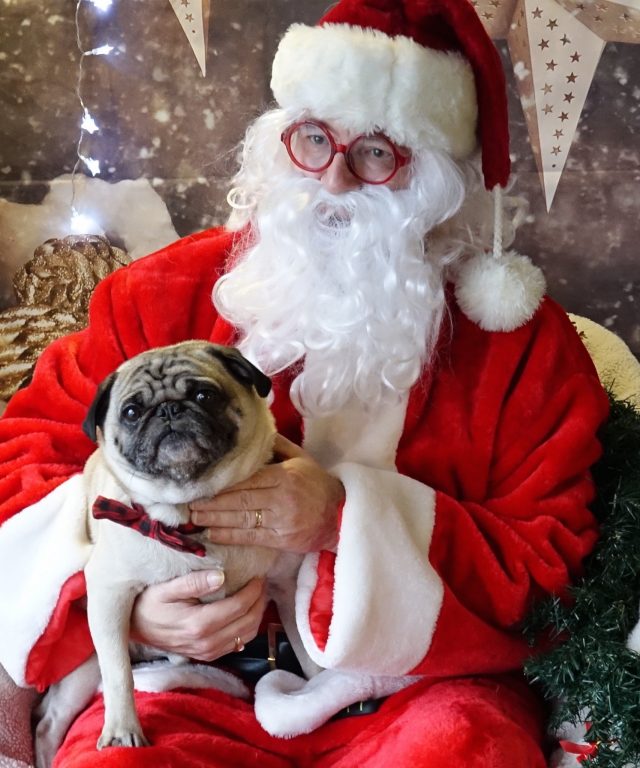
x=122 y=737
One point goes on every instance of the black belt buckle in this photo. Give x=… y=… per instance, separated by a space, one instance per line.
x=272 y=643
x=269 y=650
x=367 y=707
x=280 y=653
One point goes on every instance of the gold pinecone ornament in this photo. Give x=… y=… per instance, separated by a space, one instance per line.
x=53 y=290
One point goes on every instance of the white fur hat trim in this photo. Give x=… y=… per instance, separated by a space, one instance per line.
x=369 y=81
x=499 y=294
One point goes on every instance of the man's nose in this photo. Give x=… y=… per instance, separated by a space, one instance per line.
x=337 y=178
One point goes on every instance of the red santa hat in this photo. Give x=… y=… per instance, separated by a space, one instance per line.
x=425 y=73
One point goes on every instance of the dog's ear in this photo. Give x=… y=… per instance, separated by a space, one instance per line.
x=241 y=369
x=98 y=409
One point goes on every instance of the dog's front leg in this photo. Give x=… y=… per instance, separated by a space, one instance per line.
x=109 y=610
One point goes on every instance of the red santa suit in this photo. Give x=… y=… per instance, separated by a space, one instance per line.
x=464 y=503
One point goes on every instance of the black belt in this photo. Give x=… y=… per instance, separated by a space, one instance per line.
x=272 y=650
x=267 y=651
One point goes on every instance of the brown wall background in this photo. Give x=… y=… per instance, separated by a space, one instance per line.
x=161 y=120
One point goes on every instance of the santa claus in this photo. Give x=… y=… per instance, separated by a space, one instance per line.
x=437 y=417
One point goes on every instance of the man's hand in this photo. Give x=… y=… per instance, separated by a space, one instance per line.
x=170 y=616
x=291 y=505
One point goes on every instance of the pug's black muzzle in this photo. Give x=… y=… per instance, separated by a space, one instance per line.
x=178 y=440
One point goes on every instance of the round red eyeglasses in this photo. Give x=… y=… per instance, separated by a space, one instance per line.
x=371 y=158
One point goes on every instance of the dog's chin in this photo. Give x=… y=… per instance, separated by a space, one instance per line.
x=179 y=459
x=180 y=474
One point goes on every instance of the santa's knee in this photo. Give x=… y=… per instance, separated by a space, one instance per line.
x=465 y=724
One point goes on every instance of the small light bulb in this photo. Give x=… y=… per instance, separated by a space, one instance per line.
x=83 y=225
x=103 y=50
x=92 y=164
x=88 y=123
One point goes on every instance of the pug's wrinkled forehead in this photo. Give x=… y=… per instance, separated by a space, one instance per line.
x=156 y=377
x=208 y=357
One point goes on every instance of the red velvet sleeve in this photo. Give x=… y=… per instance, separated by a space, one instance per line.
x=509 y=453
x=504 y=430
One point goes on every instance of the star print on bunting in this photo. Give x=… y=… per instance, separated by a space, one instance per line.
x=193 y=16
x=555 y=47
x=560 y=56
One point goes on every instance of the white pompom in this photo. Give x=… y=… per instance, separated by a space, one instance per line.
x=499 y=294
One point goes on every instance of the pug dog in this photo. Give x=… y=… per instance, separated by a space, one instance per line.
x=173 y=424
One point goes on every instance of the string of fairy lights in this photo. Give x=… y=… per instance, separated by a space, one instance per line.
x=81 y=222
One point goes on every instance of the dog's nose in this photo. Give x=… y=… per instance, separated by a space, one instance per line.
x=170 y=409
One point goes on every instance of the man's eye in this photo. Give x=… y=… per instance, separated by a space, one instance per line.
x=318 y=139
x=131 y=413
x=376 y=152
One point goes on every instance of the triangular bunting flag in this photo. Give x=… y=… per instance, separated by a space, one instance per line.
x=193 y=16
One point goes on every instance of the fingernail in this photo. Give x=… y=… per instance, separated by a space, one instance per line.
x=197 y=517
x=215 y=578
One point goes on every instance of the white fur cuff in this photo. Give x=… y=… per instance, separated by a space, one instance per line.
x=40 y=549
x=382 y=574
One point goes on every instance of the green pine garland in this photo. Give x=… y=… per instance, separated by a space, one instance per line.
x=591 y=676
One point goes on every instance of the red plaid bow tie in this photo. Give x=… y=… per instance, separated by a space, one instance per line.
x=137 y=518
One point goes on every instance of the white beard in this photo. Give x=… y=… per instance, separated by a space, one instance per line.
x=341 y=281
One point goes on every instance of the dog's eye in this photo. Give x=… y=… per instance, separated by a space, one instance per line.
x=130 y=413
x=203 y=395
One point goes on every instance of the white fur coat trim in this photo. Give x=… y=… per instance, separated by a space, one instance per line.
x=158 y=676
x=357 y=433
x=387 y=597
x=382 y=572
x=419 y=97
x=40 y=549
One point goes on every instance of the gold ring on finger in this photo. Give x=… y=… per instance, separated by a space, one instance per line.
x=258 y=523
x=238 y=645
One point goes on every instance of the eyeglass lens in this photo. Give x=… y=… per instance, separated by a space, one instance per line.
x=370 y=157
